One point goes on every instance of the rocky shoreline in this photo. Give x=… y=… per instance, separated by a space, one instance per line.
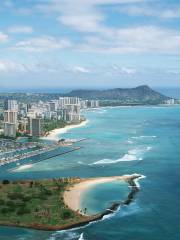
x=131 y=180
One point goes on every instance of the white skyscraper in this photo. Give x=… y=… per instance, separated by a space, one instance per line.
x=10 y=123
x=10 y=105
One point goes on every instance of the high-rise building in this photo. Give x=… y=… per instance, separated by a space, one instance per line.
x=53 y=105
x=10 y=123
x=23 y=125
x=10 y=116
x=10 y=105
x=10 y=130
x=93 y=103
x=63 y=101
x=170 y=101
x=35 y=127
x=71 y=113
x=84 y=104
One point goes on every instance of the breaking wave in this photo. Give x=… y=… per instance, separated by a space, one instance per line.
x=81 y=237
x=139 y=137
x=137 y=181
x=125 y=158
x=132 y=155
x=22 y=168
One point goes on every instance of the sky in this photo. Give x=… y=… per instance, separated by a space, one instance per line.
x=89 y=43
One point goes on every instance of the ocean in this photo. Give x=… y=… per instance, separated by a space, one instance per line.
x=121 y=140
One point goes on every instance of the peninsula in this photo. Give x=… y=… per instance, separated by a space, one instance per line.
x=48 y=204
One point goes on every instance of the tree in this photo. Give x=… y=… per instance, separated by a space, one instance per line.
x=5 y=181
x=23 y=210
x=66 y=214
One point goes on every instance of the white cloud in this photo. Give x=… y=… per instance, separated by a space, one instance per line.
x=82 y=15
x=143 y=39
x=11 y=66
x=119 y=70
x=42 y=44
x=3 y=37
x=151 y=11
x=80 y=69
x=88 y=17
x=20 y=29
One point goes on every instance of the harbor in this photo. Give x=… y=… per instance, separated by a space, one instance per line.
x=35 y=152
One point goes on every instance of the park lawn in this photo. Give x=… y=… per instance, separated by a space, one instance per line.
x=30 y=203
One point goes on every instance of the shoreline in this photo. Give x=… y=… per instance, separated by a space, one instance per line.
x=85 y=219
x=72 y=196
x=54 y=134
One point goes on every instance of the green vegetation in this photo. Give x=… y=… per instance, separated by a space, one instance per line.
x=126 y=102
x=139 y=95
x=6 y=137
x=50 y=125
x=36 y=203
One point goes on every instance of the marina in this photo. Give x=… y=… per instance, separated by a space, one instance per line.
x=36 y=152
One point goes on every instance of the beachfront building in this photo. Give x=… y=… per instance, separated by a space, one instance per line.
x=35 y=127
x=84 y=104
x=170 y=101
x=63 y=101
x=93 y=104
x=72 y=113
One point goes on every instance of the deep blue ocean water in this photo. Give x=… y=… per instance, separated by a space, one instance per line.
x=122 y=140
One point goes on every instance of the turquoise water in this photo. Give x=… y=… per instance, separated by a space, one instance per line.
x=122 y=140
x=103 y=195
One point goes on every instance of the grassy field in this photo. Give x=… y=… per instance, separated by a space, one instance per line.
x=36 y=203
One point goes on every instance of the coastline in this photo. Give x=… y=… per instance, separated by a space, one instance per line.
x=80 y=220
x=54 y=134
x=72 y=196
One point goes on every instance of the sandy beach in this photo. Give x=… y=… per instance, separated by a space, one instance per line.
x=72 y=197
x=54 y=134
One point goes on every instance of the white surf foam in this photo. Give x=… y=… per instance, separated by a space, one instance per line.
x=22 y=168
x=110 y=215
x=135 y=154
x=130 y=141
x=80 y=162
x=71 y=232
x=81 y=237
x=138 y=151
x=137 y=181
x=129 y=210
x=139 y=137
x=125 y=158
x=66 y=235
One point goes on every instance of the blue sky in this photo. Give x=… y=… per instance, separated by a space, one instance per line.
x=89 y=43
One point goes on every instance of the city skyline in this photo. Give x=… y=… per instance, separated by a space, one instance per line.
x=89 y=44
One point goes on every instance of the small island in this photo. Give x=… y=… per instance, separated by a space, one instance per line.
x=48 y=204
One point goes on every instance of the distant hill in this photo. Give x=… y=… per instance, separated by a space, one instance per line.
x=112 y=97
x=140 y=95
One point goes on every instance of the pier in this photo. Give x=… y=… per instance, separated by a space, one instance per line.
x=36 y=153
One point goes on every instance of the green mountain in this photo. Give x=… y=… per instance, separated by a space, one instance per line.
x=139 y=95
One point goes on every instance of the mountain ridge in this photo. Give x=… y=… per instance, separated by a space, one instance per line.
x=140 y=94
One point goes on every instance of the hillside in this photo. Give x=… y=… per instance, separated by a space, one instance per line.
x=141 y=94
